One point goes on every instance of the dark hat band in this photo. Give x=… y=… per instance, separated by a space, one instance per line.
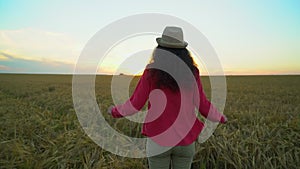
x=170 y=39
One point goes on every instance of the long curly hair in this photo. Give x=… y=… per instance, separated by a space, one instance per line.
x=163 y=57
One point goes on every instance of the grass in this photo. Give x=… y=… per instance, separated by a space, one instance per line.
x=39 y=127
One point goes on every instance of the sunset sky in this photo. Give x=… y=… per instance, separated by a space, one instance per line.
x=250 y=36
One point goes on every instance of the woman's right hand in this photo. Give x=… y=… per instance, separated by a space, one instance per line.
x=224 y=119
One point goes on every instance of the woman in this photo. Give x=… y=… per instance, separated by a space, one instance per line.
x=171 y=85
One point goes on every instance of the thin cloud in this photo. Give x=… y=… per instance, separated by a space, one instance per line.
x=34 y=44
x=4 y=68
x=17 y=65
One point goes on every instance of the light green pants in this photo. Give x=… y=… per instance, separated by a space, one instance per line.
x=180 y=157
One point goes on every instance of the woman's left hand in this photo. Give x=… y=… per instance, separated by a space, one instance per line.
x=109 y=110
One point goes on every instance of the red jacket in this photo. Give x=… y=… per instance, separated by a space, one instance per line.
x=171 y=118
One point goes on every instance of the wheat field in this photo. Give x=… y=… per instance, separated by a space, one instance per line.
x=40 y=129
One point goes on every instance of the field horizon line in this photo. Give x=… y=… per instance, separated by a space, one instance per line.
x=99 y=74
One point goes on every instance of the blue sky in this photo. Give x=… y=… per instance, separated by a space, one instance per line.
x=250 y=37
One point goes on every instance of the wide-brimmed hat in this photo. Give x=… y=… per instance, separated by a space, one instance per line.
x=172 y=37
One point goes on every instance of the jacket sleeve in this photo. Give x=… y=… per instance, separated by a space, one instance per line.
x=136 y=102
x=205 y=107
